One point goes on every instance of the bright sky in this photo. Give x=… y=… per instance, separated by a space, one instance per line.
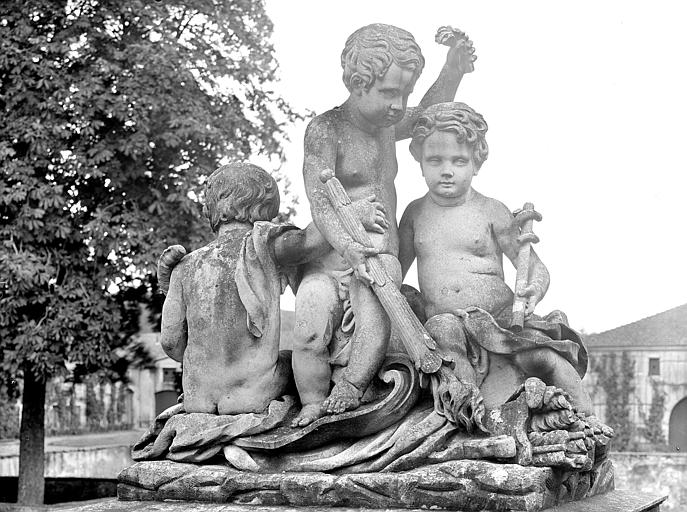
x=586 y=104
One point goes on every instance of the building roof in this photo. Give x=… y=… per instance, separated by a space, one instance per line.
x=668 y=328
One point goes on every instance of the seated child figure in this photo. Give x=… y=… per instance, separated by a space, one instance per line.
x=357 y=140
x=459 y=237
x=230 y=366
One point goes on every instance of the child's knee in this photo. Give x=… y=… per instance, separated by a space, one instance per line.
x=539 y=361
x=311 y=335
x=447 y=330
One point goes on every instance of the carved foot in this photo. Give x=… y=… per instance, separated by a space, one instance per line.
x=308 y=414
x=344 y=397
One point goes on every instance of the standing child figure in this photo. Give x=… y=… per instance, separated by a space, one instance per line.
x=381 y=64
x=459 y=237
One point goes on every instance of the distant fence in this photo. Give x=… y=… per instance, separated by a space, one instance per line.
x=92 y=406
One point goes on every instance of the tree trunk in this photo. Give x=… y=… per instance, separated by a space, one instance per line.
x=31 y=442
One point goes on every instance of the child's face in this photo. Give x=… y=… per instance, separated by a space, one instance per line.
x=384 y=104
x=447 y=166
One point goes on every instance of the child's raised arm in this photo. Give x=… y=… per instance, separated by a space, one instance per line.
x=507 y=232
x=320 y=154
x=458 y=62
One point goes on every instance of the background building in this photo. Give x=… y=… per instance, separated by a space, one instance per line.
x=657 y=348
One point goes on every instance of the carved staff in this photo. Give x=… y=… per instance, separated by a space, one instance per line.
x=452 y=398
x=524 y=218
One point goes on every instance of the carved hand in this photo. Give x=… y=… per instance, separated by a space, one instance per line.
x=168 y=260
x=356 y=256
x=371 y=214
x=534 y=295
x=461 y=55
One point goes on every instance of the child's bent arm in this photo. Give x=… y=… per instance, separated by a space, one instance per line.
x=320 y=154
x=539 y=277
x=506 y=231
x=406 y=240
x=174 y=332
x=299 y=246
x=443 y=89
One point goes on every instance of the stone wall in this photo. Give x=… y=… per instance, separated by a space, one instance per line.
x=99 y=462
x=656 y=473
x=671 y=380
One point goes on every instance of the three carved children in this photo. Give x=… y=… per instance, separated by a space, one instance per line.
x=457 y=235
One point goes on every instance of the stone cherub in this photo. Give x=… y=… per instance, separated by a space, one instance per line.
x=459 y=237
x=381 y=64
x=221 y=313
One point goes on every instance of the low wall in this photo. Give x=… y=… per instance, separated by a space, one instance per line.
x=91 y=462
x=656 y=473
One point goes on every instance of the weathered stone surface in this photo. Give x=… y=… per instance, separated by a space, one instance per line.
x=480 y=353
x=654 y=473
x=457 y=485
x=627 y=501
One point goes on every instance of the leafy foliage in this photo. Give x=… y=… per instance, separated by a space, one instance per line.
x=616 y=377
x=653 y=421
x=114 y=112
x=9 y=413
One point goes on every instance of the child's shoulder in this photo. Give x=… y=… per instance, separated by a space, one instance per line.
x=414 y=207
x=493 y=208
x=326 y=122
x=199 y=254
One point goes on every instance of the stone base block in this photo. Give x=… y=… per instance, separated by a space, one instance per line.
x=463 y=485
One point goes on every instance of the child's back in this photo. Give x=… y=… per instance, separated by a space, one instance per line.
x=225 y=367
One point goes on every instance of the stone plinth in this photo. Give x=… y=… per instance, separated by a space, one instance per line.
x=466 y=485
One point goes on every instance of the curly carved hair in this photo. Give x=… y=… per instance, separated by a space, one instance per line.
x=370 y=51
x=242 y=192
x=469 y=126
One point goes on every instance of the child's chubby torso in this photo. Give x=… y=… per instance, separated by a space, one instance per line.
x=459 y=261
x=224 y=366
x=365 y=165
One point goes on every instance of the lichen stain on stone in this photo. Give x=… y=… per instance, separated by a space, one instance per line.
x=499 y=476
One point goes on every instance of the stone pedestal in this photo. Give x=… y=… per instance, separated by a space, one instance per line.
x=620 y=500
x=465 y=485
x=614 y=501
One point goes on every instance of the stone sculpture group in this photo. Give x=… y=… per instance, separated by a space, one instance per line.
x=453 y=396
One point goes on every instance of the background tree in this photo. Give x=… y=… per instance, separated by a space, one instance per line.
x=113 y=114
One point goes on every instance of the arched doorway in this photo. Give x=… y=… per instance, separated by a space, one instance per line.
x=677 y=433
